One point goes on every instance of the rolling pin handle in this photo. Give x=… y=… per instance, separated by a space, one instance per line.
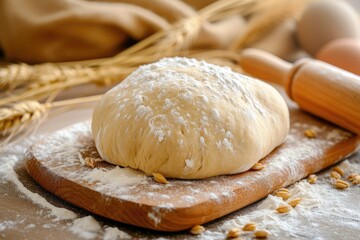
x=265 y=66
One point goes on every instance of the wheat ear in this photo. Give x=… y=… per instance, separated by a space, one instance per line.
x=19 y=114
x=19 y=117
x=114 y=69
x=177 y=38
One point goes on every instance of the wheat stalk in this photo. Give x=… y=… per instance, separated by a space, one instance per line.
x=163 y=43
x=180 y=36
x=270 y=15
x=106 y=75
x=15 y=118
x=103 y=75
x=26 y=83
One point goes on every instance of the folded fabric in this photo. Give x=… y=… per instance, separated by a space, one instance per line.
x=35 y=31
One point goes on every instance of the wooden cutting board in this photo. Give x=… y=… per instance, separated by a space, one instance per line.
x=57 y=164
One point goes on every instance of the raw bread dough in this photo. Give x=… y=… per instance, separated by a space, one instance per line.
x=189 y=119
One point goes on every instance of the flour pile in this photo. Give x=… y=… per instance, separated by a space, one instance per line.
x=85 y=227
x=321 y=202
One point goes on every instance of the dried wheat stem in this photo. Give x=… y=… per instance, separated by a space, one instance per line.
x=106 y=75
x=75 y=101
x=20 y=75
x=55 y=77
x=179 y=37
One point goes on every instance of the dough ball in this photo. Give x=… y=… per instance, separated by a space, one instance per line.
x=189 y=119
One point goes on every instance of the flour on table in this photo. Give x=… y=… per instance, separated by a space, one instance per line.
x=115 y=178
x=113 y=233
x=7 y=173
x=7 y=225
x=320 y=202
x=86 y=227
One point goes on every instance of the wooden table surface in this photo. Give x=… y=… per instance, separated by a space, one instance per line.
x=20 y=218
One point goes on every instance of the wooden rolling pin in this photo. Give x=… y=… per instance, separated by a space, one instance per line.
x=317 y=87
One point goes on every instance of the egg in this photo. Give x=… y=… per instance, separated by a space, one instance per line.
x=324 y=21
x=343 y=53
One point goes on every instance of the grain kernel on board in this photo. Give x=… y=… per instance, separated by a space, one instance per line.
x=312 y=179
x=283 y=194
x=258 y=167
x=283 y=189
x=340 y=184
x=261 y=234
x=90 y=162
x=160 y=178
x=335 y=175
x=294 y=202
x=338 y=170
x=197 y=229
x=356 y=180
x=283 y=209
x=233 y=233
x=352 y=176
x=251 y=226
x=309 y=133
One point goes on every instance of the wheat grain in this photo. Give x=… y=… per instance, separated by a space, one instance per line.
x=309 y=133
x=352 y=176
x=340 y=184
x=233 y=233
x=283 y=194
x=283 y=209
x=312 y=179
x=196 y=230
x=294 y=202
x=338 y=170
x=160 y=178
x=335 y=175
x=261 y=234
x=251 y=226
x=257 y=167
x=356 y=180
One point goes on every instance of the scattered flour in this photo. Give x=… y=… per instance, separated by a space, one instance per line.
x=113 y=233
x=7 y=173
x=86 y=227
x=31 y=225
x=116 y=177
x=7 y=225
x=189 y=163
x=320 y=203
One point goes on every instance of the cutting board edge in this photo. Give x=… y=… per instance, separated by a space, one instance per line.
x=32 y=165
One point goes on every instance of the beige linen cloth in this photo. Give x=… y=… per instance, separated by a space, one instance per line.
x=35 y=31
